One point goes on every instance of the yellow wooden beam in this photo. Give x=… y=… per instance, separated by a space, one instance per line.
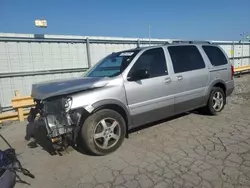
x=18 y=103
x=8 y=114
x=12 y=116
x=243 y=68
x=12 y=119
x=22 y=102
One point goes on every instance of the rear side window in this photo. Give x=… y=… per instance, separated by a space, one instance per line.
x=186 y=58
x=215 y=55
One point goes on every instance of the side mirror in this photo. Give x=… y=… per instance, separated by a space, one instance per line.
x=138 y=75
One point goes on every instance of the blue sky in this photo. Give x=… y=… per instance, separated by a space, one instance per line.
x=186 y=19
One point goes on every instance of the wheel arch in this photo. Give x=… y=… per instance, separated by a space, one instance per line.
x=216 y=83
x=116 y=106
x=222 y=85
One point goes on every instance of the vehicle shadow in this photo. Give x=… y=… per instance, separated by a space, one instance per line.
x=200 y=112
x=84 y=151
x=38 y=132
x=157 y=122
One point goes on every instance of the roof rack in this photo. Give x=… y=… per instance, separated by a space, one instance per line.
x=189 y=42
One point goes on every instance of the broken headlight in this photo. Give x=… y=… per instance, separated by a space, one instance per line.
x=67 y=103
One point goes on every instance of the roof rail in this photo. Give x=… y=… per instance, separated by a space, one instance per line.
x=190 y=42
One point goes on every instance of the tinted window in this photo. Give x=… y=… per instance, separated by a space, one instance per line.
x=153 y=61
x=185 y=58
x=215 y=55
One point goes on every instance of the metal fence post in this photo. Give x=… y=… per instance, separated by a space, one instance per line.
x=249 y=53
x=242 y=52
x=138 y=43
x=88 y=52
x=19 y=109
x=233 y=53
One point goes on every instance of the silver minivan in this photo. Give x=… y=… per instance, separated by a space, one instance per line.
x=131 y=88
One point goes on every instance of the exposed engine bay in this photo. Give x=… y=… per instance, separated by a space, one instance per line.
x=62 y=124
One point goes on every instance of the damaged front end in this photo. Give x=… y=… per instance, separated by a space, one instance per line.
x=54 y=104
x=62 y=123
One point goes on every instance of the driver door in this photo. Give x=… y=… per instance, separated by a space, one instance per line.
x=150 y=99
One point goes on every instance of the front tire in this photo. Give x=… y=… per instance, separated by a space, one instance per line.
x=103 y=132
x=216 y=101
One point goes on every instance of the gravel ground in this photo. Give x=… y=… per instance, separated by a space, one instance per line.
x=189 y=151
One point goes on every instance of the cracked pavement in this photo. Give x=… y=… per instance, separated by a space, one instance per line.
x=192 y=150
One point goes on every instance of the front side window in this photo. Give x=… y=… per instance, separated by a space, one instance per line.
x=186 y=58
x=215 y=55
x=153 y=61
x=112 y=65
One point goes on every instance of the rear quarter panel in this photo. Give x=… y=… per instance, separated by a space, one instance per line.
x=220 y=73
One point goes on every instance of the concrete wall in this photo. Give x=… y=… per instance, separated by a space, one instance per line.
x=26 y=58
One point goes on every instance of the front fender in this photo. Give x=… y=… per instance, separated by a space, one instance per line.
x=105 y=102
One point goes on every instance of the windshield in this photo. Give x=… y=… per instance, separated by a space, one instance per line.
x=112 y=65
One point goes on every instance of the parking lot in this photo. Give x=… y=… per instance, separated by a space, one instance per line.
x=191 y=150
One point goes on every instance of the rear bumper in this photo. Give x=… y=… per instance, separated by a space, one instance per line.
x=230 y=87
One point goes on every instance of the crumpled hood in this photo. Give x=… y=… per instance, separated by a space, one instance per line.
x=48 y=89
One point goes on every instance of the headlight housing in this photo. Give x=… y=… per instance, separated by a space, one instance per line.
x=67 y=103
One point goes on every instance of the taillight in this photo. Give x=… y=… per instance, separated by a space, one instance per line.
x=232 y=71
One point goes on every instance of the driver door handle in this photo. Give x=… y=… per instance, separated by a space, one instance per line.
x=179 y=78
x=167 y=80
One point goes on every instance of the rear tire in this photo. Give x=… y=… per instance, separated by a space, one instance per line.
x=216 y=101
x=103 y=132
